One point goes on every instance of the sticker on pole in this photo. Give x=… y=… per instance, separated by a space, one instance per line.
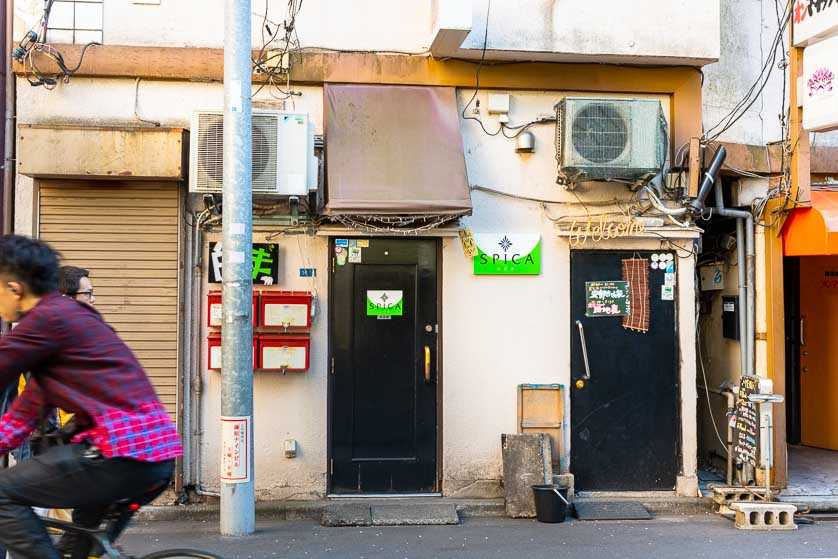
x=235 y=442
x=385 y=303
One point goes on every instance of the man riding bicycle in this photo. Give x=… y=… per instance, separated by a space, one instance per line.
x=123 y=444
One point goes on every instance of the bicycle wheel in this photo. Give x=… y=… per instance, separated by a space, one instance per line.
x=181 y=554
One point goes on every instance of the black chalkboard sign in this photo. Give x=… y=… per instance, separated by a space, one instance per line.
x=746 y=423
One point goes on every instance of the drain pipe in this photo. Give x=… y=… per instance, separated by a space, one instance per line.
x=9 y=128
x=749 y=292
x=743 y=283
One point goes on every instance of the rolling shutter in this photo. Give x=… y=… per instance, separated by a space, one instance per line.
x=126 y=234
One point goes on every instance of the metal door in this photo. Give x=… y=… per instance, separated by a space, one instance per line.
x=383 y=393
x=625 y=422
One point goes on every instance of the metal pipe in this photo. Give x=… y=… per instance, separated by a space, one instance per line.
x=697 y=205
x=9 y=129
x=750 y=279
x=743 y=293
x=195 y=365
x=731 y=405
x=187 y=347
x=237 y=491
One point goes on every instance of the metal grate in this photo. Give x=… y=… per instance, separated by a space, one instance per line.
x=211 y=153
x=600 y=133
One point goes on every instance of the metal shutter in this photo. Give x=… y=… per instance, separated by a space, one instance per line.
x=126 y=234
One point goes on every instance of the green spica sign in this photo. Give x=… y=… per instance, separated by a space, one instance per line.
x=507 y=254
x=385 y=303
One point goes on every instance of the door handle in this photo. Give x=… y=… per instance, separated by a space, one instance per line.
x=802 y=321
x=584 y=350
x=427 y=365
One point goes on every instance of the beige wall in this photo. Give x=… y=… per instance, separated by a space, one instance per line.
x=479 y=313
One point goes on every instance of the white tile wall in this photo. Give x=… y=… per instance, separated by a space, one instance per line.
x=89 y=16
x=76 y=21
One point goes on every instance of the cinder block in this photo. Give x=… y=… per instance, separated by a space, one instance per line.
x=527 y=461
x=764 y=516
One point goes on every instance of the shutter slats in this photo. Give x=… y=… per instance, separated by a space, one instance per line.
x=126 y=234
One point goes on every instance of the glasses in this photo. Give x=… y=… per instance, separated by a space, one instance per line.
x=88 y=294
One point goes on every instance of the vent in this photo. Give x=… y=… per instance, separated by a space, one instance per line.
x=283 y=153
x=609 y=140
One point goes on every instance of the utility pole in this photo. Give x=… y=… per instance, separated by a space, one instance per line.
x=237 y=495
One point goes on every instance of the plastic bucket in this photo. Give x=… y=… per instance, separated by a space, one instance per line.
x=550 y=503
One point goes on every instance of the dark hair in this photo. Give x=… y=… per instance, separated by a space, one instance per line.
x=69 y=278
x=29 y=261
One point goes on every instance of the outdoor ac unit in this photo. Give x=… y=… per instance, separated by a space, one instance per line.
x=283 y=153
x=609 y=139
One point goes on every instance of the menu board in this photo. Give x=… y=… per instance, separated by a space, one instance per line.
x=607 y=298
x=746 y=423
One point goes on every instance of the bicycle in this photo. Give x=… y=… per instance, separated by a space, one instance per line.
x=116 y=518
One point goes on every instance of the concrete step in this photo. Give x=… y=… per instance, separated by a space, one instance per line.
x=313 y=510
x=657 y=502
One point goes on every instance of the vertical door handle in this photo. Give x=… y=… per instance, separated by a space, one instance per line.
x=802 y=321
x=584 y=349
x=427 y=365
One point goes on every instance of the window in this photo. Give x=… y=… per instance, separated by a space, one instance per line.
x=76 y=21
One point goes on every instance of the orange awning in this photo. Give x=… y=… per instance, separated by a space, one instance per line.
x=813 y=231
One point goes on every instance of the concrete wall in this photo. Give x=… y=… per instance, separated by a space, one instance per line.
x=748 y=28
x=566 y=29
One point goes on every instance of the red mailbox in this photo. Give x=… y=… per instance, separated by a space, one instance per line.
x=284 y=353
x=290 y=310
x=214 y=308
x=214 y=352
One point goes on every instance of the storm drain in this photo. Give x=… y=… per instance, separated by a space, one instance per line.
x=610 y=510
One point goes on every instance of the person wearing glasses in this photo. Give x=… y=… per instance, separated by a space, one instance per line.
x=75 y=282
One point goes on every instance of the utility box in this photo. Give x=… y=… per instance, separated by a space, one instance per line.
x=284 y=353
x=712 y=277
x=214 y=308
x=214 y=352
x=730 y=317
x=290 y=310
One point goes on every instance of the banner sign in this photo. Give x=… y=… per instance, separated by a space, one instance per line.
x=507 y=254
x=265 y=263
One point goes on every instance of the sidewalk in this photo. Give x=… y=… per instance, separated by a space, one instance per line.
x=699 y=536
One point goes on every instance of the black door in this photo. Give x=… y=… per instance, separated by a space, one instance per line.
x=384 y=379
x=625 y=426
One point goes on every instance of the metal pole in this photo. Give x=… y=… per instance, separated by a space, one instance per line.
x=237 y=495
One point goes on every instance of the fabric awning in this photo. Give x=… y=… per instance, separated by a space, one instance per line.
x=813 y=231
x=394 y=150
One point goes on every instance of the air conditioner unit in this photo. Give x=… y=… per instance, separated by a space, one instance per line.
x=608 y=139
x=283 y=153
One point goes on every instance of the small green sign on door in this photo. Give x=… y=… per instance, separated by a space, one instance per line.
x=385 y=303
x=607 y=298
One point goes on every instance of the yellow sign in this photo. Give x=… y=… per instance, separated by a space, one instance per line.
x=467 y=239
x=600 y=229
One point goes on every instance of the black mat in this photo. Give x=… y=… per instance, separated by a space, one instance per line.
x=610 y=510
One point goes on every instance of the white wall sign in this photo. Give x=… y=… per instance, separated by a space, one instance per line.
x=813 y=21
x=235 y=449
x=820 y=98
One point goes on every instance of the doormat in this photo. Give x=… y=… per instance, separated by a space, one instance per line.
x=610 y=510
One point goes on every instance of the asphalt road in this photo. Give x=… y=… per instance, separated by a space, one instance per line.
x=662 y=537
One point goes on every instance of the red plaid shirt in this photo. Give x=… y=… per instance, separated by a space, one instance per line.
x=80 y=365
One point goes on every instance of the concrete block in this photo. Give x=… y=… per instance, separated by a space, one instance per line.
x=527 y=461
x=564 y=481
x=346 y=515
x=764 y=516
x=414 y=515
x=472 y=489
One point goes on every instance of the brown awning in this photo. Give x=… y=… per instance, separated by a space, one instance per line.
x=394 y=150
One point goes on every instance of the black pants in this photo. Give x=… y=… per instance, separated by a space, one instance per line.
x=65 y=478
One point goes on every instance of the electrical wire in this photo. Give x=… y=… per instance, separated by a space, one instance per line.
x=477 y=78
